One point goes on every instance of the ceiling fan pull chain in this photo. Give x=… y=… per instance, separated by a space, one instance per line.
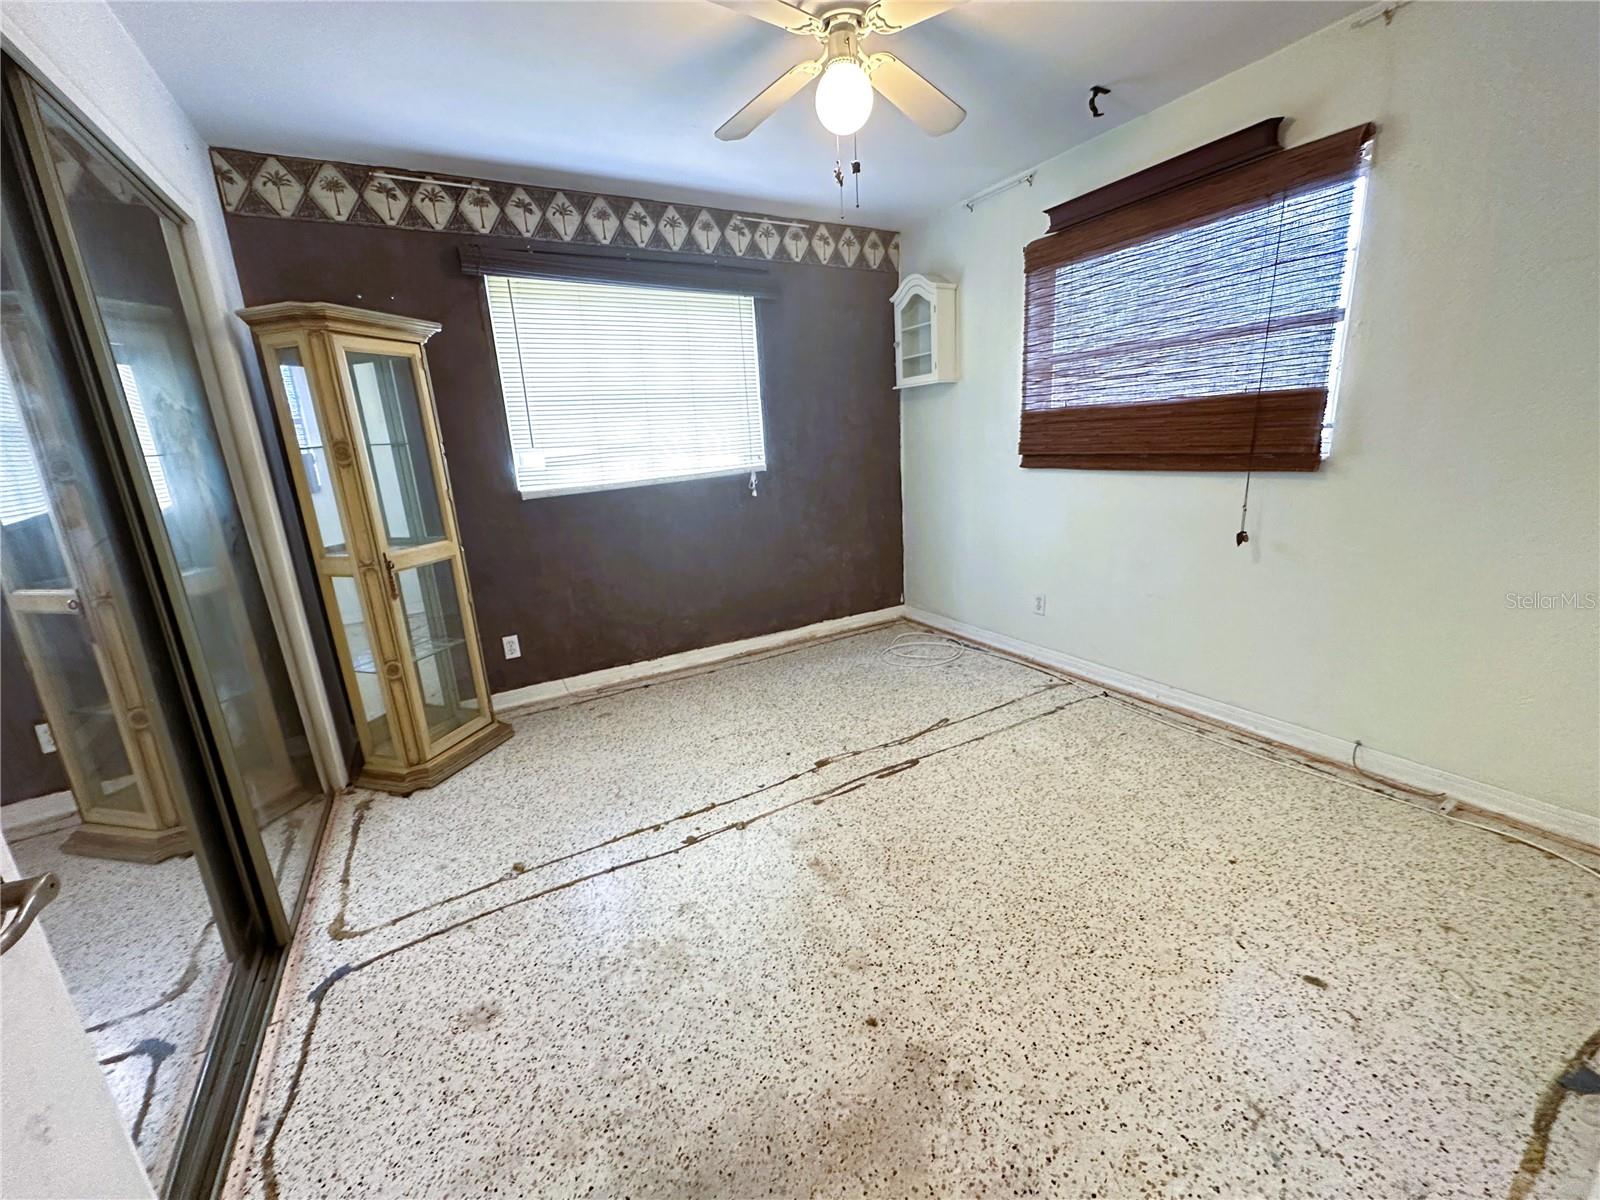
x=855 y=164
x=838 y=173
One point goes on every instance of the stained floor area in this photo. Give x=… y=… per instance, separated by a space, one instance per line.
x=828 y=923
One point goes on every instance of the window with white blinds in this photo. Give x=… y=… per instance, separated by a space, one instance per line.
x=610 y=385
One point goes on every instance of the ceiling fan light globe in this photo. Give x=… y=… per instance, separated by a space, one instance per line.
x=844 y=97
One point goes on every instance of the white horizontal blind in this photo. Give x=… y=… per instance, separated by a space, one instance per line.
x=1247 y=302
x=21 y=486
x=147 y=442
x=610 y=385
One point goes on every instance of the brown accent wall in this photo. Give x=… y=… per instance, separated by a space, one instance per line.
x=25 y=770
x=606 y=578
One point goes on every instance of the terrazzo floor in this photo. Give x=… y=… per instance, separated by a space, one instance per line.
x=145 y=966
x=828 y=923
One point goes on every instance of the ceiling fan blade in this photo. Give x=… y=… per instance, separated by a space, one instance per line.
x=776 y=12
x=768 y=102
x=932 y=111
x=891 y=16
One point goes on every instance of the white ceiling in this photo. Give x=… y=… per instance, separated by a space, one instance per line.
x=623 y=95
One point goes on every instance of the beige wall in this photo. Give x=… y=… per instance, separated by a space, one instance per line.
x=1371 y=602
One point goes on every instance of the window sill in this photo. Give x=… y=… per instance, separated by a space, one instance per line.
x=580 y=489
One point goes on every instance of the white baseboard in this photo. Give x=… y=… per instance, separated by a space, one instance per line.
x=613 y=677
x=30 y=816
x=1540 y=814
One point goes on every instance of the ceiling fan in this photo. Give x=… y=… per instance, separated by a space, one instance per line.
x=849 y=76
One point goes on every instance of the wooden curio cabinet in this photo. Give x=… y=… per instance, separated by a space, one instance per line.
x=356 y=409
x=68 y=587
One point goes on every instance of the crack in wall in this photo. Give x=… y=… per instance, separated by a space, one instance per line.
x=318 y=996
x=338 y=930
x=1545 y=1113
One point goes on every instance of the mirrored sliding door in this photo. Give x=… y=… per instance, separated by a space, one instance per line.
x=130 y=273
x=135 y=928
x=148 y=658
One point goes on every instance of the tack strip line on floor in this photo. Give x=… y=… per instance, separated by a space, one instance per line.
x=338 y=930
x=1194 y=724
x=1348 y=774
x=319 y=994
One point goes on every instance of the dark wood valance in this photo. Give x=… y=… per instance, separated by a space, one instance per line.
x=1336 y=155
x=640 y=268
x=1225 y=153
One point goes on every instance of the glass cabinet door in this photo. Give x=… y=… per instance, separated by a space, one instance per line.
x=916 y=337
x=309 y=436
x=432 y=621
x=385 y=386
x=384 y=389
x=327 y=526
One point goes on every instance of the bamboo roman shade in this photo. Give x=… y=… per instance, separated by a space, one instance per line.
x=1196 y=328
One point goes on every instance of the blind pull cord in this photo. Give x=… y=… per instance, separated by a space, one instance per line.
x=753 y=483
x=522 y=376
x=1243 y=536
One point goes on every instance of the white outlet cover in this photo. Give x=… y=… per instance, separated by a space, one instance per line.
x=1038 y=605
x=512 y=645
x=47 y=740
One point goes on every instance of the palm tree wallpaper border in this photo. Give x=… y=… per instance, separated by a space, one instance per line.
x=341 y=193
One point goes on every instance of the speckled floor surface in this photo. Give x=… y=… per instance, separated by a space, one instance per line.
x=829 y=924
x=145 y=967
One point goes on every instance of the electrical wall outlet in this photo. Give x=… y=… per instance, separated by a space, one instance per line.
x=1038 y=605
x=47 y=740
x=511 y=645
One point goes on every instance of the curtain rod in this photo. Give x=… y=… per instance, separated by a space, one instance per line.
x=989 y=193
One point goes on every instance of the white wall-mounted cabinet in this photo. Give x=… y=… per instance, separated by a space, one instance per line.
x=925 y=347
